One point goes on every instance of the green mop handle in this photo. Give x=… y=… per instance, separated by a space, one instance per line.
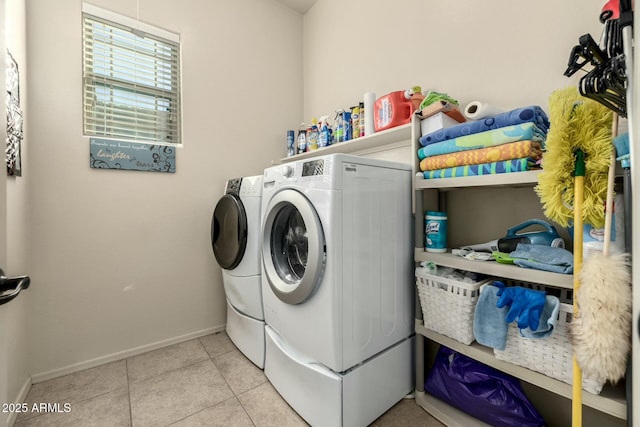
x=576 y=402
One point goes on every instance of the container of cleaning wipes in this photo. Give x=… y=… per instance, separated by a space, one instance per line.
x=435 y=231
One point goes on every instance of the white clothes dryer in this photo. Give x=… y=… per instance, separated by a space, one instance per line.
x=235 y=238
x=337 y=286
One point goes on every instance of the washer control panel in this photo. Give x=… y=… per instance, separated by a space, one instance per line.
x=313 y=168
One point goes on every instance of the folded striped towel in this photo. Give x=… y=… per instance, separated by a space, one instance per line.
x=490 y=138
x=512 y=150
x=531 y=114
x=503 y=166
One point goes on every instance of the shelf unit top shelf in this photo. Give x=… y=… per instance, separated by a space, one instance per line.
x=610 y=401
x=386 y=138
x=493 y=268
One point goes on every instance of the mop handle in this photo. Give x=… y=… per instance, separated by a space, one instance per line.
x=578 y=200
x=608 y=212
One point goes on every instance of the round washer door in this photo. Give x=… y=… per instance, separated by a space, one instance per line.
x=293 y=249
x=229 y=231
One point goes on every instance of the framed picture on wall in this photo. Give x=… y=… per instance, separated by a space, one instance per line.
x=14 y=118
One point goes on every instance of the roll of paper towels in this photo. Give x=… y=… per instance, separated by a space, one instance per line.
x=369 y=103
x=477 y=110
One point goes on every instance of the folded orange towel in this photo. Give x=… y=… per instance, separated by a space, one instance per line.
x=513 y=150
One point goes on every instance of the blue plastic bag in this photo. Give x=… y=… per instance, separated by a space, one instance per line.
x=481 y=391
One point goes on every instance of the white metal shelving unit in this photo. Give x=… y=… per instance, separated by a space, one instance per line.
x=610 y=401
x=496 y=269
x=397 y=137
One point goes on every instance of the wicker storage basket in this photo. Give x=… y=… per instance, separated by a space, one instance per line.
x=551 y=356
x=448 y=305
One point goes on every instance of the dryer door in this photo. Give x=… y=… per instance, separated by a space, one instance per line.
x=229 y=231
x=293 y=248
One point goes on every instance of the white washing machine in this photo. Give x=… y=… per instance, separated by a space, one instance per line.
x=235 y=237
x=337 y=286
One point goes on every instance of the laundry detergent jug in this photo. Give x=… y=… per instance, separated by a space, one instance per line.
x=392 y=109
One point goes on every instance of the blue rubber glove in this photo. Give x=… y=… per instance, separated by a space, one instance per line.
x=532 y=317
x=526 y=305
x=534 y=302
x=509 y=297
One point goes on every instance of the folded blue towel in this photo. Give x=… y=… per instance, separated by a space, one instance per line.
x=489 y=326
x=541 y=257
x=548 y=319
x=532 y=113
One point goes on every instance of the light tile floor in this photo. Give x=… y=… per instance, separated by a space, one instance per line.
x=202 y=382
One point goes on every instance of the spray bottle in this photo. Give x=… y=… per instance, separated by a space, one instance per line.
x=324 y=136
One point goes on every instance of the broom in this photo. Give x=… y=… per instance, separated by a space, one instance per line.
x=576 y=401
x=577 y=124
x=573 y=182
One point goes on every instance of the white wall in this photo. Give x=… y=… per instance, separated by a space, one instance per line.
x=509 y=53
x=122 y=259
x=15 y=317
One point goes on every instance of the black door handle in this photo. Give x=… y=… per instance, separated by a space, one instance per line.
x=10 y=287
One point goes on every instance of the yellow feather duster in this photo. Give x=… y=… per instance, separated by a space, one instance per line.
x=576 y=123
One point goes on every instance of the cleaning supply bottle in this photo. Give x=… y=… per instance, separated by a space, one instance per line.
x=291 y=144
x=302 y=139
x=324 y=135
x=346 y=124
x=338 y=127
x=393 y=109
x=355 y=121
x=361 y=126
x=312 y=135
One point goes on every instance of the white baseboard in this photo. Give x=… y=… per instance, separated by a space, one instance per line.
x=19 y=399
x=76 y=367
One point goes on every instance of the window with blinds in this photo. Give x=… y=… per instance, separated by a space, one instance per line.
x=131 y=82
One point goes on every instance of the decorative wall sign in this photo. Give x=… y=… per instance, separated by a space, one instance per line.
x=14 y=118
x=112 y=154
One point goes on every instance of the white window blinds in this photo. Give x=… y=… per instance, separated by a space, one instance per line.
x=131 y=83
